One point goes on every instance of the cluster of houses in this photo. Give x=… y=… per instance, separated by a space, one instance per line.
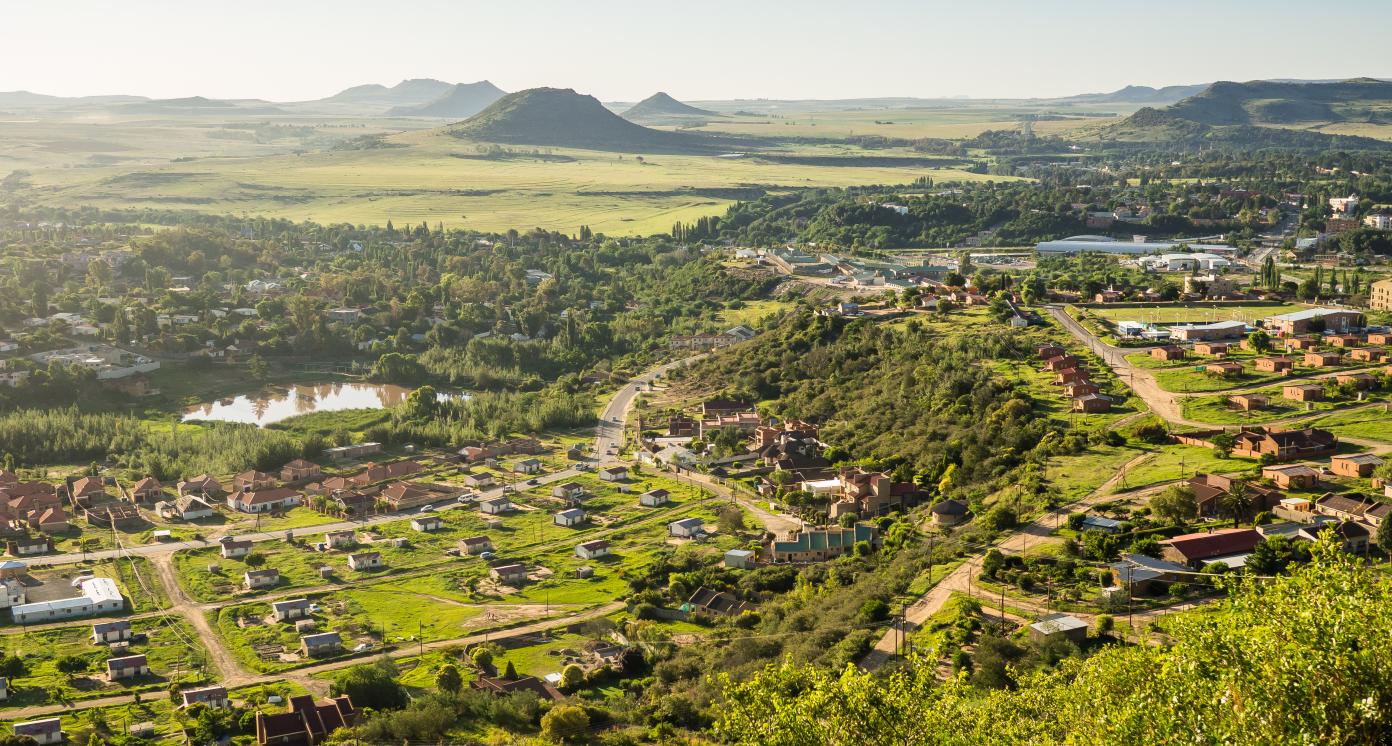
x=1271 y=443
x=1071 y=375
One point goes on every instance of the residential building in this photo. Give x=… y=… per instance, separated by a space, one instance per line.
x=568 y=518
x=1380 y=296
x=25 y=546
x=252 y=480
x=687 y=528
x=304 y=723
x=1249 y=402
x=1360 y=381
x=1138 y=573
x=1210 y=489
x=340 y=539
x=100 y=596
x=503 y=687
x=740 y=559
x=1211 y=348
x=300 y=470
x=1167 y=352
x=1322 y=359
x=715 y=602
x=1291 y=476
x=127 y=667
x=819 y=544
x=514 y=573
x=258 y=579
x=105 y=633
x=365 y=561
x=45 y=731
x=1368 y=354
x=654 y=498
x=1278 y=364
x=1303 y=392
x=146 y=489
x=1284 y=445
x=949 y=512
x=273 y=500
x=1059 y=627
x=1351 y=535
x=592 y=549
x=1224 y=369
x=321 y=644
x=568 y=491
x=290 y=610
x=234 y=548
x=1195 y=550
x=475 y=545
x=214 y=697
x=407 y=495
x=1356 y=465
x=495 y=506
x=202 y=485
x=527 y=466
x=613 y=473
x=1335 y=320
x=427 y=523
x=480 y=480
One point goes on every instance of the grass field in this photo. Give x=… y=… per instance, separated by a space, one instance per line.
x=1077 y=476
x=1197 y=313
x=1181 y=462
x=1372 y=423
x=438 y=178
x=941 y=120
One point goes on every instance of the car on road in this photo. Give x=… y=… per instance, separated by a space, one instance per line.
x=427 y=509
x=487 y=555
x=532 y=481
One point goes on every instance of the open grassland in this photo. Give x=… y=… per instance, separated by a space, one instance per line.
x=784 y=120
x=435 y=177
x=1218 y=410
x=1175 y=462
x=1372 y=423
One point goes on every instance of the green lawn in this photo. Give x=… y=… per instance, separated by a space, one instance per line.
x=1077 y=476
x=1372 y=423
x=1180 y=462
x=1198 y=313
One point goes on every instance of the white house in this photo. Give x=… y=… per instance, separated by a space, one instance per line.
x=208 y=696
x=340 y=539
x=495 y=506
x=592 y=549
x=99 y=596
x=45 y=731
x=475 y=545
x=571 y=517
x=613 y=473
x=127 y=667
x=686 y=528
x=324 y=643
x=257 y=579
x=365 y=561
x=654 y=498
x=427 y=523
x=568 y=491
x=233 y=548
x=290 y=609
x=105 y=633
x=739 y=559
x=527 y=466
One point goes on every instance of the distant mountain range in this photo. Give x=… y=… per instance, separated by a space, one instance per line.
x=1140 y=94
x=560 y=117
x=414 y=92
x=1264 y=113
x=661 y=108
x=460 y=101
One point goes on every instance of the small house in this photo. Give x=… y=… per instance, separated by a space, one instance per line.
x=146 y=489
x=515 y=573
x=190 y=508
x=290 y=609
x=300 y=470
x=592 y=549
x=1211 y=348
x=105 y=633
x=1225 y=369
x=568 y=518
x=272 y=500
x=234 y=548
x=613 y=473
x=45 y=731
x=1357 y=465
x=340 y=539
x=1301 y=343
x=480 y=480
x=475 y=545
x=1248 y=402
x=1360 y=381
x=1344 y=340
x=1291 y=476
x=214 y=697
x=1080 y=388
x=686 y=528
x=1059 y=627
x=365 y=561
x=321 y=644
x=258 y=579
x=1303 y=392
x=1167 y=352
x=949 y=512
x=252 y=480
x=495 y=506
x=740 y=559
x=1322 y=359
x=654 y=498
x=29 y=545
x=568 y=491
x=1101 y=524
x=127 y=667
x=427 y=523
x=1368 y=354
x=1278 y=364
x=527 y=466
x=1092 y=404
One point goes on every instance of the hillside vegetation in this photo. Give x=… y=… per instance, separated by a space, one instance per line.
x=1299 y=659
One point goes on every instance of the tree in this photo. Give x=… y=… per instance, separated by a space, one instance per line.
x=572 y=677
x=510 y=672
x=1259 y=340
x=1384 y=537
x=257 y=368
x=371 y=685
x=448 y=678
x=564 y=723
x=482 y=657
x=874 y=610
x=71 y=664
x=1237 y=501
x=1175 y=505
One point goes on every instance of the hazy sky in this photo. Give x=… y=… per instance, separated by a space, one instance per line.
x=626 y=49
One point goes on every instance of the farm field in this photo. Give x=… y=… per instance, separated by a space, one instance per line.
x=945 y=120
x=1196 y=313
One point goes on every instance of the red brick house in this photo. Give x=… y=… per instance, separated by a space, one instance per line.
x=1303 y=392
x=305 y=723
x=1211 y=348
x=1322 y=359
x=1092 y=404
x=1368 y=354
x=1279 y=364
x=1167 y=352
x=1284 y=445
x=1195 y=550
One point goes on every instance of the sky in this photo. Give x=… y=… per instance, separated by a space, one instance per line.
x=624 y=50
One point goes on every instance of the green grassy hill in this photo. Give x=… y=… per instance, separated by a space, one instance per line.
x=661 y=108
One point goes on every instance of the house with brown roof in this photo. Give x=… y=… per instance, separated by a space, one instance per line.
x=363 y=561
x=272 y=500
x=1357 y=465
x=1322 y=359
x=214 y=697
x=45 y=731
x=1081 y=388
x=503 y=686
x=1284 y=445
x=1276 y=364
x=1211 y=348
x=24 y=546
x=1300 y=343
x=1195 y=550
x=1249 y=402
x=147 y=489
x=1368 y=354
x=475 y=545
x=1380 y=338
x=304 y=723
x=257 y=579
x=1070 y=375
x=1225 y=369
x=1044 y=352
x=1060 y=362
x=1344 y=507
x=1344 y=340
x=1167 y=352
x=1303 y=392
x=234 y=548
x=1092 y=404
x=381 y=472
x=87 y=489
x=513 y=573
x=50 y=521
x=202 y=485
x=715 y=602
x=1291 y=476
x=408 y=495
x=252 y=480
x=300 y=470
x=1209 y=490
x=1360 y=381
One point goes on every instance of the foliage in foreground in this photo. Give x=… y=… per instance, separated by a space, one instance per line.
x=1301 y=659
